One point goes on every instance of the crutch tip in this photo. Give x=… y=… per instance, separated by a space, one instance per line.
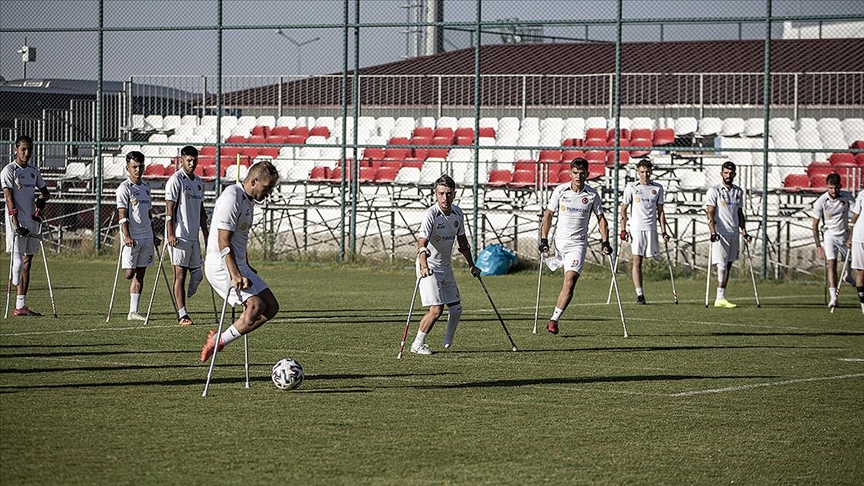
x=399 y=356
x=515 y=349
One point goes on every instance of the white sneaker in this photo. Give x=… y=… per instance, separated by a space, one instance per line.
x=134 y=316
x=422 y=349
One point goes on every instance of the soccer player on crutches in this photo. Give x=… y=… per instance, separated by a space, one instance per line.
x=20 y=181
x=856 y=246
x=135 y=207
x=724 y=203
x=574 y=202
x=646 y=197
x=184 y=218
x=831 y=211
x=226 y=266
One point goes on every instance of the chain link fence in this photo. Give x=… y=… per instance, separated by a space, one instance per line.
x=361 y=105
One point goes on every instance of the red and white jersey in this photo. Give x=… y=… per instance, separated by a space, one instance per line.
x=834 y=213
x=727 y=202
x=574 y=211
x=643 y=199
x=23 y=182
x=187 y=192
x=858 y=229
x=135 y=199
x=232 y=212
x=441 y=230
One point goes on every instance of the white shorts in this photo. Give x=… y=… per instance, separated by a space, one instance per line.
x=187 y=253
x=25 y=245
x=645 y=243
x=834 y=247
x=140 y=255
x=572 y=256
x=439 y=288
x=726 y=250
x=219 y=278
x=858 y=255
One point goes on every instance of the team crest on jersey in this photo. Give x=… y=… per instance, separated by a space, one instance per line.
x=653 y=191
x=638 y=199
x=437 y=238
x=243 y=226
x=32 y=175
x=199 y=187
x=455 y=224
x=133 y=201
x=584 y=200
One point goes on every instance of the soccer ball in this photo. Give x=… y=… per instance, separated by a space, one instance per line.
x=287 y=374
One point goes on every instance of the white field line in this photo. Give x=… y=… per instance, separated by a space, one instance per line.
x=760 y=385
x=855 y=360
x=93 y=329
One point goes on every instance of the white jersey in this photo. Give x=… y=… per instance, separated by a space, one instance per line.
x=135 y=199
x=188 y=194
x=232 y=212
x=726 y=202
x=644 y=201
x=441 y=231
x=574 y=212
x=23 y=182
x=834 y=213
x=858 y=229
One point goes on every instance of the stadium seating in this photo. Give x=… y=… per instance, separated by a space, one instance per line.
x=796 y=183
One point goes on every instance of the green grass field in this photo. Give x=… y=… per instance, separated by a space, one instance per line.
x=693 y=396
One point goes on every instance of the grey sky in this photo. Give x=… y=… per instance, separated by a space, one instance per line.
x=262 y=51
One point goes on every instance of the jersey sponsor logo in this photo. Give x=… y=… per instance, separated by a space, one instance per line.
x=723 y=203
x=638 y=200
x=244 y=226
x=439 y=226
x=134 y=201
x=577 y=210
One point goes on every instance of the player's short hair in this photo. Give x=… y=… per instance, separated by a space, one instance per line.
x=729 y=165
x=645 y=163
x=134 y=156
x=264 y=169
x=23 y=138
x=446 y=181
x=579 y=163
x=833 y=179
x=189 y=150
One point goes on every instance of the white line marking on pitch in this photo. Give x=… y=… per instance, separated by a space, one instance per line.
x=856 y=360
x=760 y=385
x=75 y=331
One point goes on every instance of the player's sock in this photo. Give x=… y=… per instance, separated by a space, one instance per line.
x=134 y=299
x=195 y=278
x=721 y=293
x=721 y=274
x=557 y=314
x=181 y=312
x=230 y=334
x=420 y=339
x=639 y=291
x=861 y=296
x=19 y=301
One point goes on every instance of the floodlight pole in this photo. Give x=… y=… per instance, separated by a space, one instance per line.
x=299 y=46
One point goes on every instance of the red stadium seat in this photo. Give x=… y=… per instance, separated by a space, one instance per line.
x=550 y=156
x=525 y=165
x=441 y=141
x=857 y=144
x=625 y=134
x=599 y=133
x=440 y=153
x=818 y=184
x=859 y=159
x=280 y=131
x=319 y=174
x=488 y=132
x=596 y=171
x=208 y=173
x=464 y=140
x=301 y=131
x=249 y=152
x=464 y=132
x=386 y=175
x=271 y=152
x=154 y=171
x=594 y=142
x=443 y=132
x=424 y=132
x=367 y=174
x=569 y=155
x=640 y=147
x=320 y=132
x=261 y=130
x=396 y=153
x=796 y=183
x=623 y=158
x=641 y=133
x=373 y=153
x=523 y=178
x=499 y=177
x=256 y=140
x=564 y=176
x=295 y=140
x=207 y=160
x=276 y=139
x=207 y=151
x=819 y=169
x=664 y=136
x=229 y=152
x=844 y=159
x=236 y=139
x=572 y=142
x=596 y=156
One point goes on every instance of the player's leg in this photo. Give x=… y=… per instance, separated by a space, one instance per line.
x=724 y=255
x=454 y=312
x=829 y=248
x=179 y=291
x=431 y=296
x=427 y=322
x=638 y=248
x=858 y=265
x=21 y=308
x=637 y=279
x=196 y=275
x=564 y=298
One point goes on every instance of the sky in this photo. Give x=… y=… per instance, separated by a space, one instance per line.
x=131 y=50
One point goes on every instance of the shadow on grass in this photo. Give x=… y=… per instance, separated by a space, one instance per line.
x=580 y=381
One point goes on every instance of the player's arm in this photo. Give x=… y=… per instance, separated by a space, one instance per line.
x=124 y=226
x=238 y=281
x=422 y=254
x=545 y=226
x=465 y=250
x=661 y=218
x=205 y=226
x=851 y=228
x=711 y=211
x=11 y=210
x=624 y=233
x=742 y=224
x=156 y=240
x=819 y=251
x=170 y=215
x=603 y=226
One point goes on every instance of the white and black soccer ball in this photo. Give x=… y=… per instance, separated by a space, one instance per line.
x=287 y=374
